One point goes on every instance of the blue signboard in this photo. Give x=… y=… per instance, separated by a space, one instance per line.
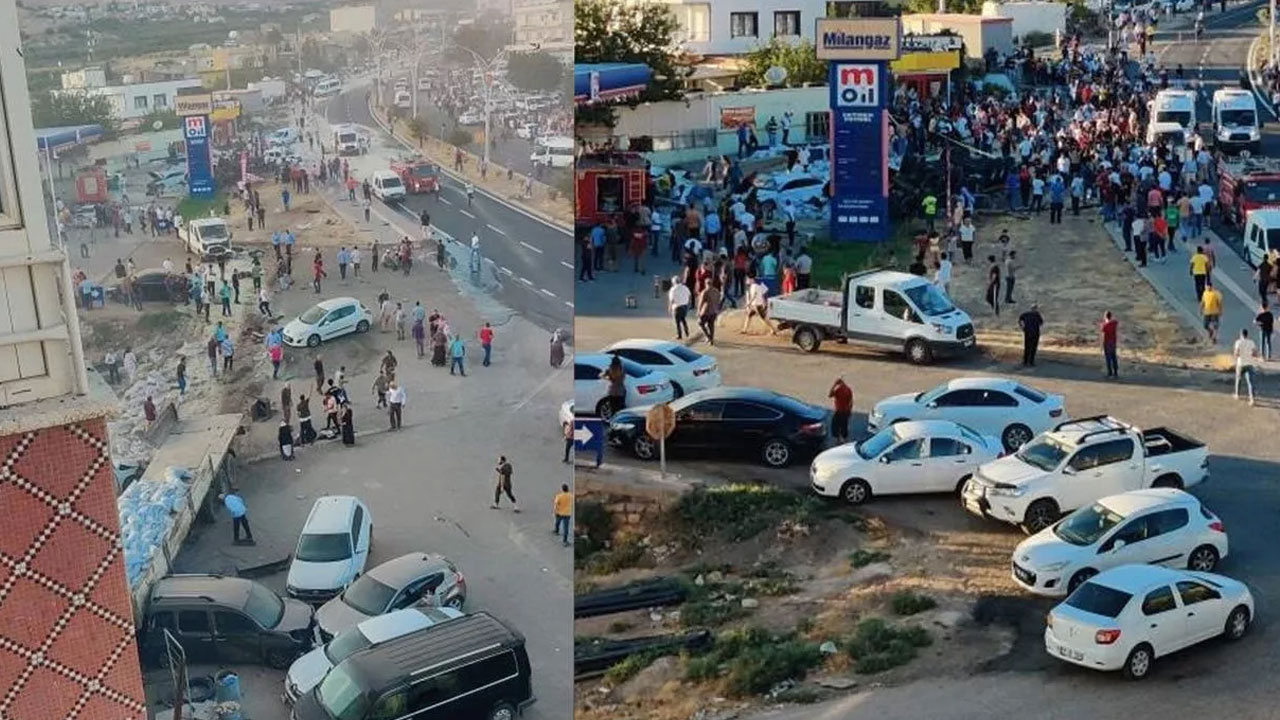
x=199 y=165
x=859 y=149
x=588 y=435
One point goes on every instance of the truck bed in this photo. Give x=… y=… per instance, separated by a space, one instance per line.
x=1163 y=441
x=808 y=307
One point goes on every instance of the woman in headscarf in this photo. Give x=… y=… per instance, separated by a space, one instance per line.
x=438 y=343
x=419 y=337
x=306 y=432
x=557 y=348
x=616 y=377
x=285 y=437
x=348 y=425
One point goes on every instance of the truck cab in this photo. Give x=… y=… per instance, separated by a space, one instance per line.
x=418 y=176
x=207 y=238
x=1175 y=106
x=1261 y=235
x=347 y=140
x=1236 y=124
x=607 y=184
x=1171 y=133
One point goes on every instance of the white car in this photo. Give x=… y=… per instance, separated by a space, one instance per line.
x=326 y=321
x=800 y=189
x=1125 y=618
x=527 y=131
x=644 y=386
x=566 y=413
x=924 y=456
x=1157 y=526
x=308 y=670
x=688 y=369
x=1008 y=409
x=332 y=549
x=471 y=118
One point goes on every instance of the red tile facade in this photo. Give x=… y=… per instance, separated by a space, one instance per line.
x=67 y=649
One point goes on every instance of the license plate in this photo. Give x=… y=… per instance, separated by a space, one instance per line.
x=1069 y=653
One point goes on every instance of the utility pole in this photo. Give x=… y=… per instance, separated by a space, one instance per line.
x=1271 y=23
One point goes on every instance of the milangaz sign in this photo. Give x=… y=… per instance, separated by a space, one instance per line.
x=859 y=38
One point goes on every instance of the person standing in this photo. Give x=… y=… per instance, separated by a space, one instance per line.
x=616 y=378
x=286 y=402
x=486 y=343
x=993 y=285
x=968 y=234
x=1030 y=321
x=224 y=295
x=1266 y=322
x=276 y=354
x=354 y=257
x=182 y=376
x=842 y=407
x=228 y=354
x=804 y=269
x=1110 y=333
x=562 y=508
x=556 y=349
x=708 y=309
x=380 y=386
x=678 y=300
x=239 y=517
x=211 y=348
x=1200 y=271
x=284 y=438
x=756 y=304
x=457 y=351
x=397 y=397
x=306 y=431
x=567 y=430
x=149 y=411
x=504 y=483
x=1244 y=351
x=347 y=420
x=319 y=367
x=1211 y=309
x=419 y=333
x=1010 y=267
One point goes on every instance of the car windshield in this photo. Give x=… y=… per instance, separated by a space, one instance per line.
x=341 y=696
x=1237 y=118
x=1086 y=525
x=347 y=137
x=1099 y=599
x=215 y=231
x=1182 y=117
x=327 y=547
x=314 y=315
x=929 y=300
x=685 y=353
x=878 y=443
x=970 y=434
x=1044 y=453
x=391 y=182
x=1262 y=190
x=346 y=644
x=425 y=171
x=264 y=606
x=368 y=595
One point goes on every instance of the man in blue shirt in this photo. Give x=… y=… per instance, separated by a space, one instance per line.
x=597 y=244
x=1057 y=194
x=344 y=257
x=239 y=517
x=276 y=240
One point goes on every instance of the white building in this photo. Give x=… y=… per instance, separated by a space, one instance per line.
x=489 y=8
x=90 y=77
x=137 y=100
x=542 y=21
x=736 y=27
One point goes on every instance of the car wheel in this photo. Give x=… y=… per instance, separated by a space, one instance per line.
x=676 y=391
x=362 y=326
x=313 y=341
x=919 y=352
x=644 y=447
x=960 y=485
x=1079 y=579
x=1237 y=623
x=1168 y=481
x=1138 y=664
x=856 y=492
x=776 y=453
x=807 y=339
x=502 y=711
x=1015 y=436
x=279 y=659
x=456 y=602
x=1203 y=559
x=1040 y=515
x=604 y=409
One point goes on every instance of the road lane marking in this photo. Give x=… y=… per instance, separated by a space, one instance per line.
x=530 y=247
x=566 y=302
x=568 y=265
x=445 y=200
x=527 y=281
x=497 y=230
x=547 y=292
x=464 y=212
x=506 y=270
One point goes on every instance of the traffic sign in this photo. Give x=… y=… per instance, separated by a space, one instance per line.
x=588 y=434
x=660 y=422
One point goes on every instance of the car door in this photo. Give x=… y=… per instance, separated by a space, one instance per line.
x=1167 y=538
x=1202 y=607
x=959 y=406
x=1163 y=623
x=237 y=638
x=152 y=642
x=748 y=425
x=195 y=634
x=900 y=320
x=360 y=532
x=996 y=410
x=392 y=705
x=345 y=321
x=1131 y=543
x=946 y=462
x=587 y=387
x=1097 y=471
x=899 y=468
x=410 y=595
x=697 y=426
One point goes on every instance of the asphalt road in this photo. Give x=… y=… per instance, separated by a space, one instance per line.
x=534 y=257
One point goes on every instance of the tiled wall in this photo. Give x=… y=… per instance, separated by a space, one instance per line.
x=67 y=649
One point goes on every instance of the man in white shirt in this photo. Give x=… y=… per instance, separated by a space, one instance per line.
x=943 y=277
x=396 y=397
x=168 y=266
x=757 y=305
x=678 y=299
x=1244 y=351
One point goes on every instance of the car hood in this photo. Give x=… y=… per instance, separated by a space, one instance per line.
x=844 y=455
x=336 y=616
x=904 y=405
x=1044 y=548
x=297 y=616
x=631 y=415
x=1009 y=470
x=307 y=671
x=297 y=328
x=319 y=576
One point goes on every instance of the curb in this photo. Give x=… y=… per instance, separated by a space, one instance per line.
x=527 y=211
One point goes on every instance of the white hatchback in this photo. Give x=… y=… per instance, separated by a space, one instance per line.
x=1008 y=409
x=326 y=321
x=688 y=369
x=591 y=392
x=926 y=456
x=332 y=549
x=1125 y=618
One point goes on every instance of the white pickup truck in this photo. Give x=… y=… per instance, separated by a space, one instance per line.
x=1077 y=463
x=207 y=238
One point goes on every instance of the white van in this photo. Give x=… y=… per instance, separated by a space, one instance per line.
x=387 y=186
x=283 y=136
x=404 y=100
x=1175 y=106
x=1167 y=132
x=553 y=151
x=1235 y=120
x=328 y=86
x=206 y=237
x=1261 y=235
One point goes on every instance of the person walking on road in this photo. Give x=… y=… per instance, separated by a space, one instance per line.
x=1110 y=332
x=678 y=300
x=276 y=353
x=757 y=292
x=239 y=517
x=562 y=508
x=211 y=348
x=397 y=397
x=616 y=378
x=1266 y=322
x=306 y=431
x=1199 y=271
x=457 y=351
x=182 y=376
x=842 y=405
x=1211 y=309
x=503 y=470
x=1245 y=352
x=567 y=428
x=380 y=386
x=1010 y=267
x=284 y=438
x=319 y=367
x=709 y=309
x=486 y=343
x=1030 y=321
x=993 y=285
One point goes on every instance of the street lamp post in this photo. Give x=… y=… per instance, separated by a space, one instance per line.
x=487 y=67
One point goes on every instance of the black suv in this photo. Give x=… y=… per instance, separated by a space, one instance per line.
x=224 y=620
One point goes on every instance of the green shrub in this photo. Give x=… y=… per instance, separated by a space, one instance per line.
x=735 y=512
x=906 y=602
x=876 y=646
x=755 y=660
x=709 y=613
x=799 y=696
x=861 y=558
x=593 y=532
x=629 y=552
x=620 y=626
x=631 y=666
x=460 y=138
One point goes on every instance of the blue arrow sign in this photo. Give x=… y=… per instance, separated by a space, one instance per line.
x=588 y=435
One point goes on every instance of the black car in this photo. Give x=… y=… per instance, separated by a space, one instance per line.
x=154 y=286
x=762 y=424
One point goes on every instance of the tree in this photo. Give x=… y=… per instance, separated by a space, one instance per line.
x=535 y=72
x=610 y=31
x=798 y=59
x=418 y=128
x=486 y=39
x=54 y=109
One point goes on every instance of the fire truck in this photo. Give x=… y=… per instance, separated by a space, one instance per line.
x=418 y=176
x=1245 y=184
x=607 y=184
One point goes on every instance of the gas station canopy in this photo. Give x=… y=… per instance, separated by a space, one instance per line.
x=60 y=138
x=602 y=82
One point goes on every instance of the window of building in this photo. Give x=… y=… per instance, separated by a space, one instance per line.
x=818 y=124
x=159 y=100
x=140 y=102
x=694 y=20
x=786 y=23
x=744 y=24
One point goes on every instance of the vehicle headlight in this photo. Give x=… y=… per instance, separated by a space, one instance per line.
x=941 y=329
x=1006 y=490
x=1054 y=567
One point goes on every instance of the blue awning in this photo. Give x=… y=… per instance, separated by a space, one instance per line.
x=57 y=138
x=600 y=82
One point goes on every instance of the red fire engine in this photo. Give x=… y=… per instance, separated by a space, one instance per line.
x=418 y=176
x=607 y=184
x=1245 y=184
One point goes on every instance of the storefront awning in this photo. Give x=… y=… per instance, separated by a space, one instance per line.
x=602 y=82
x=60 y=138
